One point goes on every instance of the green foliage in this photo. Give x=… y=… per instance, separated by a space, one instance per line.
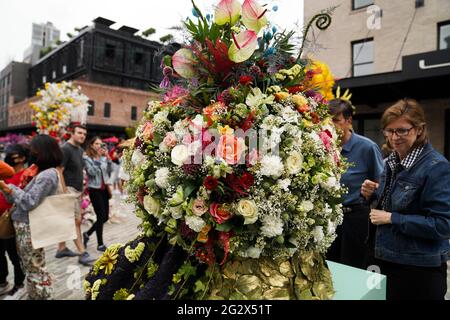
x=149 y=32
x=166 y=38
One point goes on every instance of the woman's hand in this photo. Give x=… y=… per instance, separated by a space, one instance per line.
x=380 y=217
x=368 y=188
x=4 y=187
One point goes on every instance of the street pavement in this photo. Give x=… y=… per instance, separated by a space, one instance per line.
x=68 y=274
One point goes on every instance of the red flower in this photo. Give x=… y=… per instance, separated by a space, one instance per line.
x=315 y=118
x=219 y=214
x=210 y=183
x=296 y=89
x=224 y=241
x=246 y=80
x=247 y=180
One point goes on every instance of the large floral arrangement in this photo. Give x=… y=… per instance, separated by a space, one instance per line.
x=235 y=173
x=59 y=104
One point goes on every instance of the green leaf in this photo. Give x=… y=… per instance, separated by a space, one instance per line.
x=225 y=227
x=199 y=286
x=189 y=187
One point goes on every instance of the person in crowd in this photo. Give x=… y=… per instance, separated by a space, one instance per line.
x=99 y=186
x=73 y=165
x=410 y=227
x=16 y=156
x=42 y=181
x=366 y=162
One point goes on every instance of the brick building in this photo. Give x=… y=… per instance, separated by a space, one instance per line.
x=115 y=69
x=112 y=109
x=386 y=50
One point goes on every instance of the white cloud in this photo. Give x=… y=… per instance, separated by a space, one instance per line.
x=17 y=16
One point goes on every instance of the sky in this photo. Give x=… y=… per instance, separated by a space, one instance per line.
x=17 y=16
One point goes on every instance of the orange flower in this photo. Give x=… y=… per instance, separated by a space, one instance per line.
x=148 y=131
x=203 y=235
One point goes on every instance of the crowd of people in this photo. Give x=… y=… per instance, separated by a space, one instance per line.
x=29 y=174
x=396 y=211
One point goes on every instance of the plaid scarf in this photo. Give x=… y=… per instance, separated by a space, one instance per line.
x=396 y=166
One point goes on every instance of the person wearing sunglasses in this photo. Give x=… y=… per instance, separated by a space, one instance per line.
x=410 y=225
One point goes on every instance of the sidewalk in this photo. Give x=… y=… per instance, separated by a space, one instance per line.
x=68 y=274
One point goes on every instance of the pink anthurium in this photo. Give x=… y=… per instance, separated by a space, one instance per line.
x=227 y=11
x=183 y=62
x=244 y=44
x=253 y=15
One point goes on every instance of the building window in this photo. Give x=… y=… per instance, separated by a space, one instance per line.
x=420 y=3
x=444 y=35
x=138 y=58
x=91 y=109
x=362 y=57
x=369 y=126
x=107 y=110
x=110 y=51
x=64 y=69
x=133 y=113
x=358 y=4
x=54 y=74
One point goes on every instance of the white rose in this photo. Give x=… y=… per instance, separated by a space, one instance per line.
x=330 y=183
x=162 y=178
x=152 y=206
x=179 y=155
x=249 y=210
x=195 y=223
x=137 y=158
x=253 y=252
x=318 y=234
x=294 y=162
x=197 y=124
x=194 y=148
x=176 y=212
x=307 y=206
x=331 y=227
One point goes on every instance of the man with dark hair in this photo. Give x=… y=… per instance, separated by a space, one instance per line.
x=365 y=159
x=73 y=165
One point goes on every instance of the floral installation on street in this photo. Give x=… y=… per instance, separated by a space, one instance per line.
x=235 y=173
x=59 y=104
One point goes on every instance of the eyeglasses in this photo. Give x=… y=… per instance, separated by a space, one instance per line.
x=400 y=132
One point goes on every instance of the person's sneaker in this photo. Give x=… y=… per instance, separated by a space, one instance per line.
x=16 y=293
x=4 y=287
x=85 y=259
x=85 y=239
x=101 y=248
x=66 y=252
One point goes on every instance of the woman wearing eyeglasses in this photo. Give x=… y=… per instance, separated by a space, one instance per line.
x=410 y=227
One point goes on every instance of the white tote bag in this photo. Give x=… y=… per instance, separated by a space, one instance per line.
x=53 y=221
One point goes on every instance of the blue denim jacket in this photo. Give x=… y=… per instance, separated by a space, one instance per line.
x=420 y=205
x=96 y=171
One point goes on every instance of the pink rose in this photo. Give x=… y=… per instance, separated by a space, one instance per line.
x=148 y=131
x=219 y=214
x=230 y=148
x=325 y=136
x=199 y=207
x=170 y=140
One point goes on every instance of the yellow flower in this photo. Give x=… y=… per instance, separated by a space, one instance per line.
x=225 y=130
x=109 y=259
x=322 y=79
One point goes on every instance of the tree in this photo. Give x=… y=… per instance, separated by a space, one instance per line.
x=166 y=38
x=148 y=32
